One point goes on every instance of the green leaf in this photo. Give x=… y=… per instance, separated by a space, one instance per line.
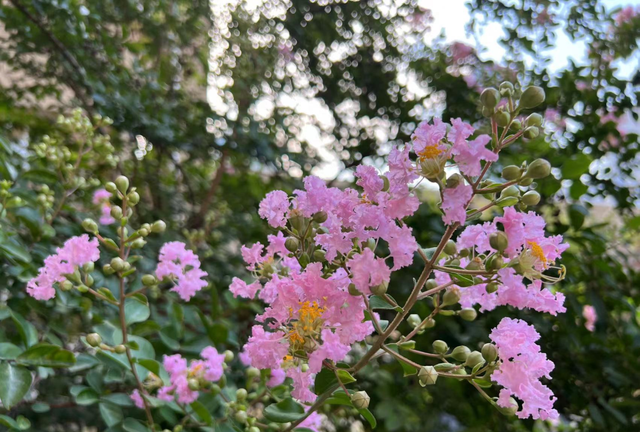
x=368 y=417
x=462 y=281
x=202 y=412
x=577 y=214
x=9 y=351
x=326 y=378
x=46 y=355
x=284 y=411
x=27 y=331
x=380 y=303
x=577 y=165
x=150 y=365
x=14 y=250
x=406 y=367
x=133 y=425
x=87 y=397
x=136 y=310
x=120 y=399
x=111 y=413
x=483 y=383
x=633 y=223
x=40 y=407
x=171 y=343
x=15 y=382
x=8 y=422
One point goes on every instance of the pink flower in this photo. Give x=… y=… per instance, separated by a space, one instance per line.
x=253 y=255
x=454 y=203
x=401 y=170
x=460 y=51
x=469 y=154
x=429 y=135
x=369 y=180
x=274 y=208
x=368 y=271
x=477 y=236
x=277 y=377
x=240 y=288
x=402 y=246
x=213 y=363
x=313 y=422
x=76 y=252
x=137 y=399
x=590 y=316
x=182 y=266
x=101 y=197
x=514 y=292
x=266 y=350
x=301 y=383
x=332 y=348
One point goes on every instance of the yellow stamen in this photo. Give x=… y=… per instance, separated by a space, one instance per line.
x=537 y=252
x=430 y=152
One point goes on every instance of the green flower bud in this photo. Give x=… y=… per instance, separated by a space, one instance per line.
x=431 y=284
x=66 y=285
x=531 y=198
x=143 y=232
x=122 y=183
x=538 y=169
x=149 y=280
x=490 y=97
x=468 y=314
x=531 y=97
x=534 y=119
x=215 y=389
x=94 y=339
x=117 y=264
x=108 y=270
x=502 y=118
x=488 y=112
x=304 y=259
x=120 y=349
x=511 y=172
x=385 y=183
x=360 y=400
x=489 y=352
x=241 y=417
x=292 y=244
x=450 y=248
x=492 y=287
x=460 y=353
x=116 y=212
x=427 y=376
x=495 y=262
x=429 y=323
x=499 y=241
x=474 y=358
x=90 y=225
x=526 y=181
x=133 y=198
x=414 y=320
x=516 y=125
x=82 y=288
x=431 y=168
x=319 y=255
x=380 y=289
x=531 y=132
x=193 y=384
x=474 y=264
x=506 y=88
x=451 y=296
x=511 y=191
x=254 y=429
x=111 y=187
x=454 y=180
x=353 y=290
x=88 y=281
x=440 y=346
x=511 y=410
x=320 y=217
x=241 y=395
x=444 y=367
x=304 y=367
x=253 y=373
x=158 y=227
x=138 y=243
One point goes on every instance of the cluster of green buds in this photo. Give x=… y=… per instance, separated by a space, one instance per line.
x=46 y=197
x=7 y=199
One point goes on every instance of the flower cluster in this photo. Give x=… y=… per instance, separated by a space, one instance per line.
x=522 y=365
x=182 y=266
x=77 y=251
x=590 y=316
x=101 y=198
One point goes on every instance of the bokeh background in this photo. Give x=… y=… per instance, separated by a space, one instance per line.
x=216 y=103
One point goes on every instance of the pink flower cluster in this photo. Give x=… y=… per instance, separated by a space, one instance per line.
x=101 y=198
x=209 y=369
x=77 y=251
x=182 y=266
x=521 y=367
x=590 y=316
x=627 y=14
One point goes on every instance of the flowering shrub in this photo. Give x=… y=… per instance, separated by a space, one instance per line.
x=327 y=279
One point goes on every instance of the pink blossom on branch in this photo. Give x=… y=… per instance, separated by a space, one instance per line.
x=590 y=316
x=182 y=266
x=454 y=203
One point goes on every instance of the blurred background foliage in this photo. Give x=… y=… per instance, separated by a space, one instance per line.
x=215 y=104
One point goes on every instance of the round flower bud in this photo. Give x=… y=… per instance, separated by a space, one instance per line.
x=474 y=358
x=292 y=244
x=507 y=202
x=143 y=232
x=320 y=217
x=133 y=198
x=122 y=184
x=454 y=180
x=526 y=181
x=427 y=376
x=502 y=118
x=88 y=280
x=149 y=280
x=120 y=349
x=241 y=395
x=538 y=169
x=228 y=356
x=450 y=248
x=511 y=191
x=531 y=132
x=414 y=320
x=360 y=399
x=451 y=296
x=116 y=212
x=494 y=263
x=490 y=97
x=241 y=416
x=460 y=353
x=511 y=172
x=66 y=285
x=431 y=284
x=193 y=384
x=506 y=88
x=488 y=112
x=380 y=289
x=468 y=314
x=304 y=367
x=82 y=288
x=319 y=255
x=429 y=323
x=531 y=198
x=532 y=97
x=516 y=125
x=440 y=346
x=474 y=264
x=138 y=243
x=108 y=270
x=431 y=168
x=499 y=241
x=158 y=227
x=111 y=187
x=489 y=352
x=353 y=290
x=90 y=225
x=253 y=373
x=94 y=339
x=492 y=287
x=511 y=410
x=254 y=429
x=534 y=119
x=117 y=264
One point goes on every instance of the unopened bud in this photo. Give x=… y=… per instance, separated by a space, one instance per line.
x=320 y=217
x=531 y=132
x=111 y=187
x=489 y=352
x=511 y=409
x=511 y=191
x=360 y=400
x=385 y=183
x=490 y=97
x=66 y=285
x=117 y=264
x=511 y=172
x=108 y=270
x=133 y=198
x=116 y=212
x=526 y=181
x=492 y=287
x=460 y=353
x=158 y=226
x=431 y=284
x=380 y=289
x=450 y=248
x=440 y=346
x=534 y=119
x=531 y=198
x=474 y=358
x=502 y=118
x=454 y=180
x=94 y=339
x=90 y=225
x=241 y=395
x=193 y=384
x=532 y=97
x=138 y=243
x=429 y=323
x=120 y=349
x=241 y=417
x=292 y=244
x=228 y=356
x=506 y=88
x=319 y=255
x=122 y=184
x=538 y=169
x=452 y=296
x=495 y=262
x=149 y=280
x=414 y=320
x=499 y=241
x=468 y=314
x=253 y=373
x=516 y=125
x=353 y=290
x=427 y=375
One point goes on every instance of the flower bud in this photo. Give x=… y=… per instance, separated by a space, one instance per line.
x=531 y=97
x=511 y=410
x=385 y=183
x=502 y=118
x=360 y=400
x=292 y=244
x=538 y=169
x=120 y=349
x=380 y=289
x=431 y=168
x=304 y=259
x=143 y=232
x=429 y=323
x=534 y=119
x=304 y=367
x=133 y=198
x=108 y=270
x=254 y=429
x=193 y=384
x=531 y=132
x=353 y=290
x=511 y=172
x=122 y=183
x=138 y=243
x=516 y=125
x=495 y=262
x=531 y=198
x=319 y=255
x=526 y=181
x=149 y=280
x=117 y=264
x=460 y=353
x=253 y=373
x=158 y=227
x=489 y=352
x=450 y=248
x=490 y=97
x=511 y=191
x=451 y=296
x=116 y=212
x=499 y=241
x=320 y=217
x=506 y=88
x=474 y=358
x=228 y=356
x=241 y=395
x=431 y=284
x=90 y=225
x=454 y=180
x=468 y=314
x=427 y=375
x=88 y=280
x=241 y=416
x=414 y=320
x=492 y=287
x=444 y=367
x=488 y=112
x=440 y=346
x=82 y=288
x=94 y=339
x=111 y=187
